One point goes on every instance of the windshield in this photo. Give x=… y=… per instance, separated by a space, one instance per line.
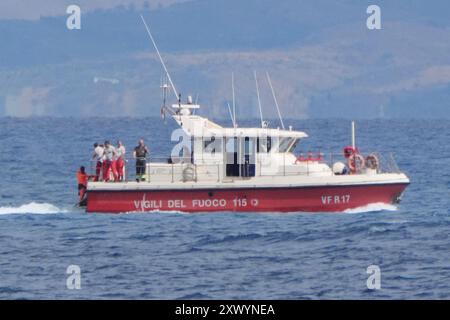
x=285 y=143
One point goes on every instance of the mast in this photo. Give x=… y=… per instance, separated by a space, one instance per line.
x=275 y=99
x=164 y=86
x=353 y=136
x=160 y=58
x=234 y=99
x=231 y=114
x=259 y=100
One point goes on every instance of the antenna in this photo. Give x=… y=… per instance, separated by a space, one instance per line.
x=275 y=99
x=160 y=58
x=259 y=100
x=231 y=114
x=234 y=99
x=164 y=87
x=353 y=136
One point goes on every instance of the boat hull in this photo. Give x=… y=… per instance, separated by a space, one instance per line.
x=274 y=199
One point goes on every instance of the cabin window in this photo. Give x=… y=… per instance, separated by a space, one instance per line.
x=231 y=148
x=211 y=145
x=232 y=165
x=264 y=144
x=249 y=146
x=231 y=145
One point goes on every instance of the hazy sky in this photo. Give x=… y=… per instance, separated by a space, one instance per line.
x=34 y=9
x=323 y=59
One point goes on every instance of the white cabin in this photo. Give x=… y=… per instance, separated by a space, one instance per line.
x=209 y=151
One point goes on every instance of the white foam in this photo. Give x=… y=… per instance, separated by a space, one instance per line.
x=373 y=207
x=32 y=208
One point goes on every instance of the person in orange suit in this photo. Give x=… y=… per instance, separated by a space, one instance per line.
x=82 y=179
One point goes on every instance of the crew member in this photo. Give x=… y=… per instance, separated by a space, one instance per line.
x=98 y=155
x=82 y=179
x=108 y=163
x=120 y=161
x=140 y=154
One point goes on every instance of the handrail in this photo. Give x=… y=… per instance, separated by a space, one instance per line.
x=159 y=169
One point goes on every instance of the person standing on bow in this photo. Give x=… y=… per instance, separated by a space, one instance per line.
x=98 y=155
x=120 y=161
x=108 y=164
x=140 y=154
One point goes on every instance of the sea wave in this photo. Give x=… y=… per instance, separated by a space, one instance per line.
x=32 y=208
x=373 y=207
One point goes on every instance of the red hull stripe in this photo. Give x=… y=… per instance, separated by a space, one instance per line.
x=282 y=199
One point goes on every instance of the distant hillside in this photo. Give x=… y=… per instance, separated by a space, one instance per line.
x=323 y=60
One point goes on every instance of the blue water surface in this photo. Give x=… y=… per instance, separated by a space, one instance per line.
x=225 y=255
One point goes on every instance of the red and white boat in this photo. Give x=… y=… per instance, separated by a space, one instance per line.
x=219 y=169
x=248 y=170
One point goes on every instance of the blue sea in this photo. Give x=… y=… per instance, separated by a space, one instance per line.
x=224 y=255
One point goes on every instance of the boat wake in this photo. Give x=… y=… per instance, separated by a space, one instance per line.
x=32 y=208
x=373 y=207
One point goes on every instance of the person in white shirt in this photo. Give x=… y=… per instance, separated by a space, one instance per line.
x=120 y=160
x=98 y=155
x=108 y=162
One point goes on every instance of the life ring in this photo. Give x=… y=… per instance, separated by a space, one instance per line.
x=189 y=173
x=356 y=162
x=372 y=162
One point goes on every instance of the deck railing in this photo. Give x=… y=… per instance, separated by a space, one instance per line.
x=163 y=171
